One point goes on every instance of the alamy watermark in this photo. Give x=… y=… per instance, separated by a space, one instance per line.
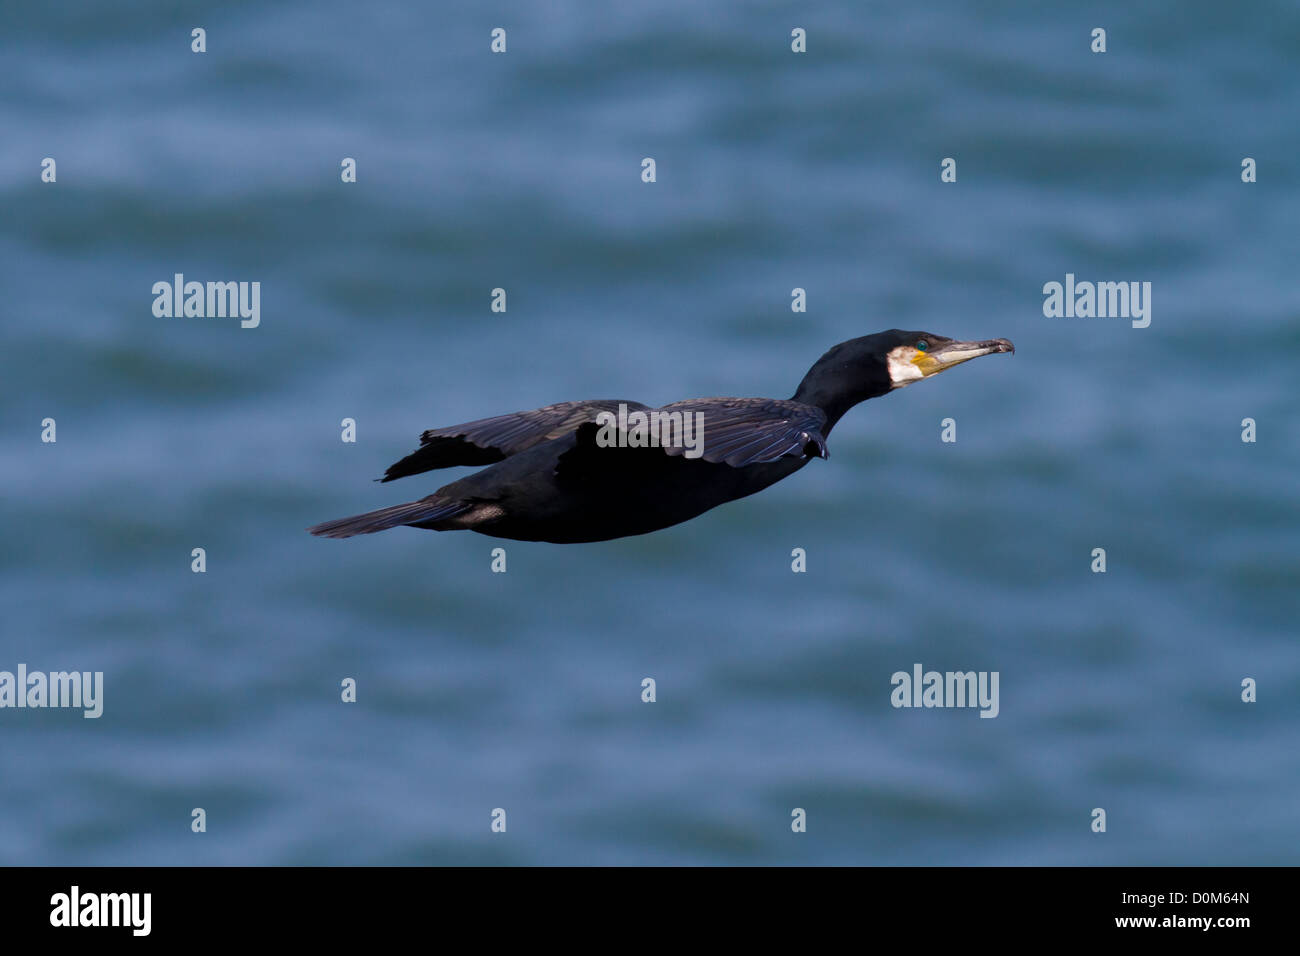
x=1102 y=300
x=75 y=908
x=922 y=688
x=653 y=429
x=77 y=689
x=210 y=300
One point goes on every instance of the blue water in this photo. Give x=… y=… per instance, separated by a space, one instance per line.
x=522 y=690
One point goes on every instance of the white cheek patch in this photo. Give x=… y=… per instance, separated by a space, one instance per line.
x=901 y=370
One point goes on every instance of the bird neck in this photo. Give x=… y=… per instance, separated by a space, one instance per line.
x=835 y=385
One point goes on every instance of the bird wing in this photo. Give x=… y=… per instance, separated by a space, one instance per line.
x=746 y=431
x=489 y=440
x=736 y=431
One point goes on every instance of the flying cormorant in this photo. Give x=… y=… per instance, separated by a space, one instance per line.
x=602 y=469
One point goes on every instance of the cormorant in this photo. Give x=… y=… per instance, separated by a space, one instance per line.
x=595 y=470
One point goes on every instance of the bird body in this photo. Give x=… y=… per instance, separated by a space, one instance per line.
x=594 y=496
x=596 y=470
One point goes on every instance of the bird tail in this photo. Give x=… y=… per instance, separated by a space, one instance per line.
x=425 y=512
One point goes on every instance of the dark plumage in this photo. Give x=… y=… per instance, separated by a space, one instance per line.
x=565 y=474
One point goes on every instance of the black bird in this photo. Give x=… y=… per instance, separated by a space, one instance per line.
x=595 y=470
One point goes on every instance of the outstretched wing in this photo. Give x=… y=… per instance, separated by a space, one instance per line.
x=728 y=431
x=747 y=431
x=489 y=440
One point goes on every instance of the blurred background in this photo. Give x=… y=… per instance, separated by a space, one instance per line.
x=522 y=690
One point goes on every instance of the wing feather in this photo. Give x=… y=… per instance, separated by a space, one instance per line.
x=494 y=439
x=736 y=432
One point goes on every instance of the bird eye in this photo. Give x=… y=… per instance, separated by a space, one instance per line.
x=922 y=345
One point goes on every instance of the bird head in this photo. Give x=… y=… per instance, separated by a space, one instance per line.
x=912 y=356
x=875 y=365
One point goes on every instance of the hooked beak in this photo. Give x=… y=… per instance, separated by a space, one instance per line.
x=954 y=353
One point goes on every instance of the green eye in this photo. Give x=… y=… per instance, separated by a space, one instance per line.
x=921 y=346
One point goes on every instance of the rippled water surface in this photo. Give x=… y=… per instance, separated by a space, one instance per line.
x=774 y=171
